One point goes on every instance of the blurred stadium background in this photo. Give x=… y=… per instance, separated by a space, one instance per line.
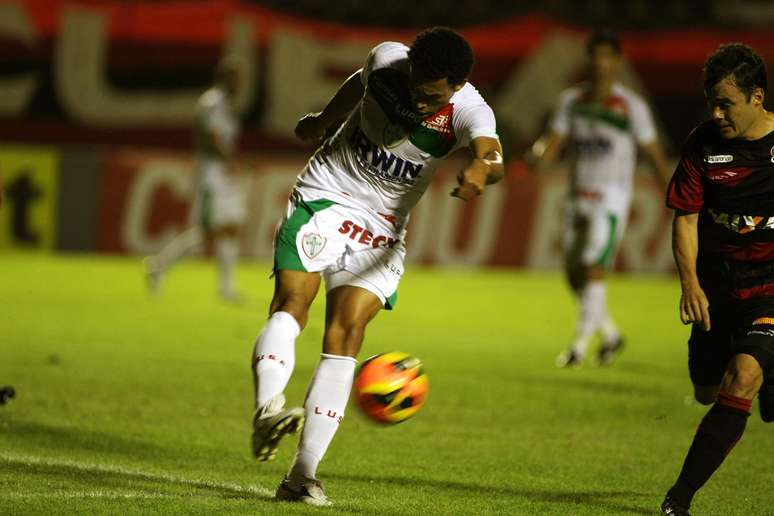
x=96 y=103
x=120 y=397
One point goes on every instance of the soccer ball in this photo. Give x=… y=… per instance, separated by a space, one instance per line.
x=391 y=387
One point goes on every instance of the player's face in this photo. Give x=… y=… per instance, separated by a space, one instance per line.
x=604 y=62
x=731 y=110
x=429 y=97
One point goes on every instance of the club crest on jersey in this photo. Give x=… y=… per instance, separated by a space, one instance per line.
x=719 y=158
x=772 y=154
x=313 y=244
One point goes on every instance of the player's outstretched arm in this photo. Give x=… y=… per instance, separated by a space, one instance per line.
x=312 y=126
x=655 y=153
x=694 y=306
x=545 y=150
x=485 y=168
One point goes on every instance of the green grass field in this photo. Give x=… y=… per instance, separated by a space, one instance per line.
x=128 y=404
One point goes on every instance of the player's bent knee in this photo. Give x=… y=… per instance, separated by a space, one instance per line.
x=745 y=383
x=297 y=306
x=344 y=337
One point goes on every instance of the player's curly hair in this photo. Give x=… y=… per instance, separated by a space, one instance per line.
x=440 y=52
x=603 y=37
x=738 y=61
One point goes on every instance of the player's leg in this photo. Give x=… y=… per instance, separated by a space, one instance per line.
x=613 y=225
x=189 y=241
x=348 y=311
x=760 y=344
x=274 y=358
x=226 y=244
x=766 y=398
x=721 y=428
x=185 y=243
x=575 y=237
x=588 y=257
x=228 y=215
x=725 y=422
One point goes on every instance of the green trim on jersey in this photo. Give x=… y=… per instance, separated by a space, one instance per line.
x=431 y=141
x=607 y=255
x=391 y=301
x=602 y=114
x=286 y=251
x=205 y=209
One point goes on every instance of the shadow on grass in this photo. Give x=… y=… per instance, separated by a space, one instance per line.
x=604 y=386
x=75 y=438
x=602 y=499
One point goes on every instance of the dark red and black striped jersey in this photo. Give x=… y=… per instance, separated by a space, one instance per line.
x=730 y=183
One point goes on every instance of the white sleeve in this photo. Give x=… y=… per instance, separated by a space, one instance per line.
x=474 y=122
x=206 y=113
x=383 y=55
x=560 y=123
x=642 y=122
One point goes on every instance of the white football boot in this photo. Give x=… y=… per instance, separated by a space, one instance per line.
x=310 y=492
x=271 y=423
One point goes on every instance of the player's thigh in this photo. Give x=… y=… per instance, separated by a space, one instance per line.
x=602 y=237
x=708 y=357
x=755 y=339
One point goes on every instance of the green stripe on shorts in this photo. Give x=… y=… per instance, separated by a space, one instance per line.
x=205 y=209
x=391 y=301
x=607 y=255
x=285 y=251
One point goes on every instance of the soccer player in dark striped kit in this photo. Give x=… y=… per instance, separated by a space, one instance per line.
x=723 y=196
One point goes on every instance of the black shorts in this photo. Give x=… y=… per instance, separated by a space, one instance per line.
x=737 y=327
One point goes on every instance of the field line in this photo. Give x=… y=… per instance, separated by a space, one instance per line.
x=135 y=473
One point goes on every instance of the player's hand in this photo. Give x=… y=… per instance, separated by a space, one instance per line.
x=472 y=181
x=310 y=128
x=694 y=307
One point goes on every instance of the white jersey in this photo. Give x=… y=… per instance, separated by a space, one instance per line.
x=604 y=138
x=384 y=156
x=219 y=200
x=215 y=115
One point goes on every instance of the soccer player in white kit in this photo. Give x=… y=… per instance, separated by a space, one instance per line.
x=402 y=113
x=218 y=210
x=604 y=122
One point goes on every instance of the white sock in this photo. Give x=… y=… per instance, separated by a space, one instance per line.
x=274 y=356
x=325 y=403
x=227 y=253
x=186 y=242
x=592 y=307
x=609 y=329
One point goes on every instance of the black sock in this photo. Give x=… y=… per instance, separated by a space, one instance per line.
x=717 y=434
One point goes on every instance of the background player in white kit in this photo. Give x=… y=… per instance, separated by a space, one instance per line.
x=404 y=111
x=604 y=122
x=218 y=209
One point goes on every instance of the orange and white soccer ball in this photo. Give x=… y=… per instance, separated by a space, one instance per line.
x=391 y=387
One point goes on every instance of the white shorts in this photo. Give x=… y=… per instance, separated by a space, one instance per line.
x=349 y=246
x=592 y=233
x=220 y=198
